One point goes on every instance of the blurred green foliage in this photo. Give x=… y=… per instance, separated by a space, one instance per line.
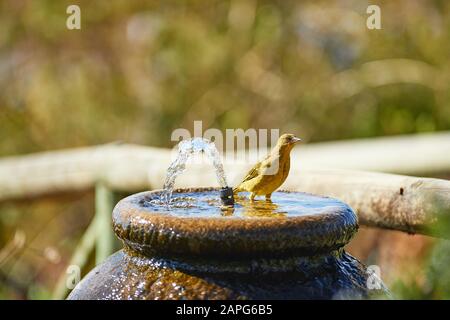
x=136 y=71
x=436 y=281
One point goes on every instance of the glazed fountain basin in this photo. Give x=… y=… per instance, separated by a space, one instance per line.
x=290 y=248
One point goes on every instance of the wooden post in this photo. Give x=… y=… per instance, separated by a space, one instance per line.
x=79 y=258
x=98 y=236
x=104 y=204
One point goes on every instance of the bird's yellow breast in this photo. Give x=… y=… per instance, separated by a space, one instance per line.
x=270 y=179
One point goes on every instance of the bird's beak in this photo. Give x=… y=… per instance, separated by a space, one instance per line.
x=296 y=140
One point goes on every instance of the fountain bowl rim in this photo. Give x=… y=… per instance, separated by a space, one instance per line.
x=154 y=233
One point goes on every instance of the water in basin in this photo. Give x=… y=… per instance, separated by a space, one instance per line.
x=206 y=203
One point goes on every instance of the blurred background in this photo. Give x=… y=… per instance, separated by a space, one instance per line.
x=136 y=71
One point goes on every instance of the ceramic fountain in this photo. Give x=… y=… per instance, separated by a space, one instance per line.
x=201 y=243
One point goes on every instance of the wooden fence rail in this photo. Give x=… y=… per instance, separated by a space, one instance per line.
x=397 y=202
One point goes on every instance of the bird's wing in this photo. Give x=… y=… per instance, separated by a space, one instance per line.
x=257 y=169
x=253 y=172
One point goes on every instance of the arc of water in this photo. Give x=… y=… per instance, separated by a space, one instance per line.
x=186 y=149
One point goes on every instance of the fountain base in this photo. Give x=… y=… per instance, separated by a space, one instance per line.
x=291 y=248
x=127 y=275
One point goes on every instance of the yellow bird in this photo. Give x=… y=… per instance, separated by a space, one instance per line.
x=266 y=176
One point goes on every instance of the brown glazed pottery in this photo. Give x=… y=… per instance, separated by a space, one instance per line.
x=290 y=248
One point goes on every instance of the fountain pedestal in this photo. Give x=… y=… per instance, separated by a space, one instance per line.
x=291 y=248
